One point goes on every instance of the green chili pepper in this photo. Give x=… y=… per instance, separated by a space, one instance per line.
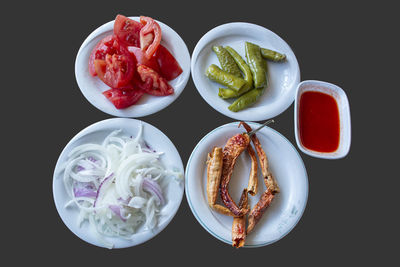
x=256 y=64
x=248 y=77
x=247 y=99
x=214 y=73
x=226 y=61
x=272 y=55
x=226 y=93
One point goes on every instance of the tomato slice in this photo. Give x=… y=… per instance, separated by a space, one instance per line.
x=127 y=30
x=150 y=36
x=119 y=70
x=141 y=58
x=138 y=84
x=169 y=67
x=156 y=85
x=100 y=66
x=99 y=52
x=123 y=97
x=116 y=70
x=120 y=63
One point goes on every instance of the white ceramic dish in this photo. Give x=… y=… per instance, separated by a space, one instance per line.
x=283 y=77
x=96 y=133
x=92 y=87
x=285 y=163
x=344 y=117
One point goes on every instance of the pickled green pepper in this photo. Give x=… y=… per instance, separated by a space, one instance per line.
x=247 y=99
x=257 y=64
x=215 y=74
x=226 y=93
x=226 y=61
x=248 y=77
x=272 y=55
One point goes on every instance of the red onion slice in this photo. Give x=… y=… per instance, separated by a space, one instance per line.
x=99 y=191
x=84 y=190
x=153 y=188
x=117 y=211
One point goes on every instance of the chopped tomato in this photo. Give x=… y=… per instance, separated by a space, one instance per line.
x=141 y=58
x=150 y=36
x=116 y=70
x=127 y=30
x=146 y=41
x=99 y=52
x=133 y=62
x=158 y=85
x=100 y=68
x=123 y=97
x=169 y=67
x=137 y=83
x=120 y=63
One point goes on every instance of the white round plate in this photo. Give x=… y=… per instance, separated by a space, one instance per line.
x=96 y=133
x=283 y=77
x=285 y=164
x=92 y=87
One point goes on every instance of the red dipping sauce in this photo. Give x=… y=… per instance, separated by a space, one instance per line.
x=319 y=122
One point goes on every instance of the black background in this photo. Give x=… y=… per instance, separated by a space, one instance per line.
x=350 y=215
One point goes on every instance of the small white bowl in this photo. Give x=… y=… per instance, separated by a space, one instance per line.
x=92 y=87
x=344 y=116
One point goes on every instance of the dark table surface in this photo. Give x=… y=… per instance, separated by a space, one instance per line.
x=350 y=216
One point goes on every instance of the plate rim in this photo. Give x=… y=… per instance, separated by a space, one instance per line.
x=229 y=242
x=237 y=115
x=149 y=234
x=114 y=111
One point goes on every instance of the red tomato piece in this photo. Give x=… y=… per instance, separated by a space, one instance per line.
x=150 y=36
x=138 y=84
x=123 y=97
x=119 y=70
x=99 y=52
x=141 y=58
x=116 y=70
x=169 y=67
x=127 y=30
x=157 y=85
x=100 y=68
x=120 y=63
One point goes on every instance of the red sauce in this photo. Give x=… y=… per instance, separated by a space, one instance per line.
x=319 y=121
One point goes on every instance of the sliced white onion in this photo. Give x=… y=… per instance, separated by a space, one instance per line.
x=116 y=170
x=137 y=202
